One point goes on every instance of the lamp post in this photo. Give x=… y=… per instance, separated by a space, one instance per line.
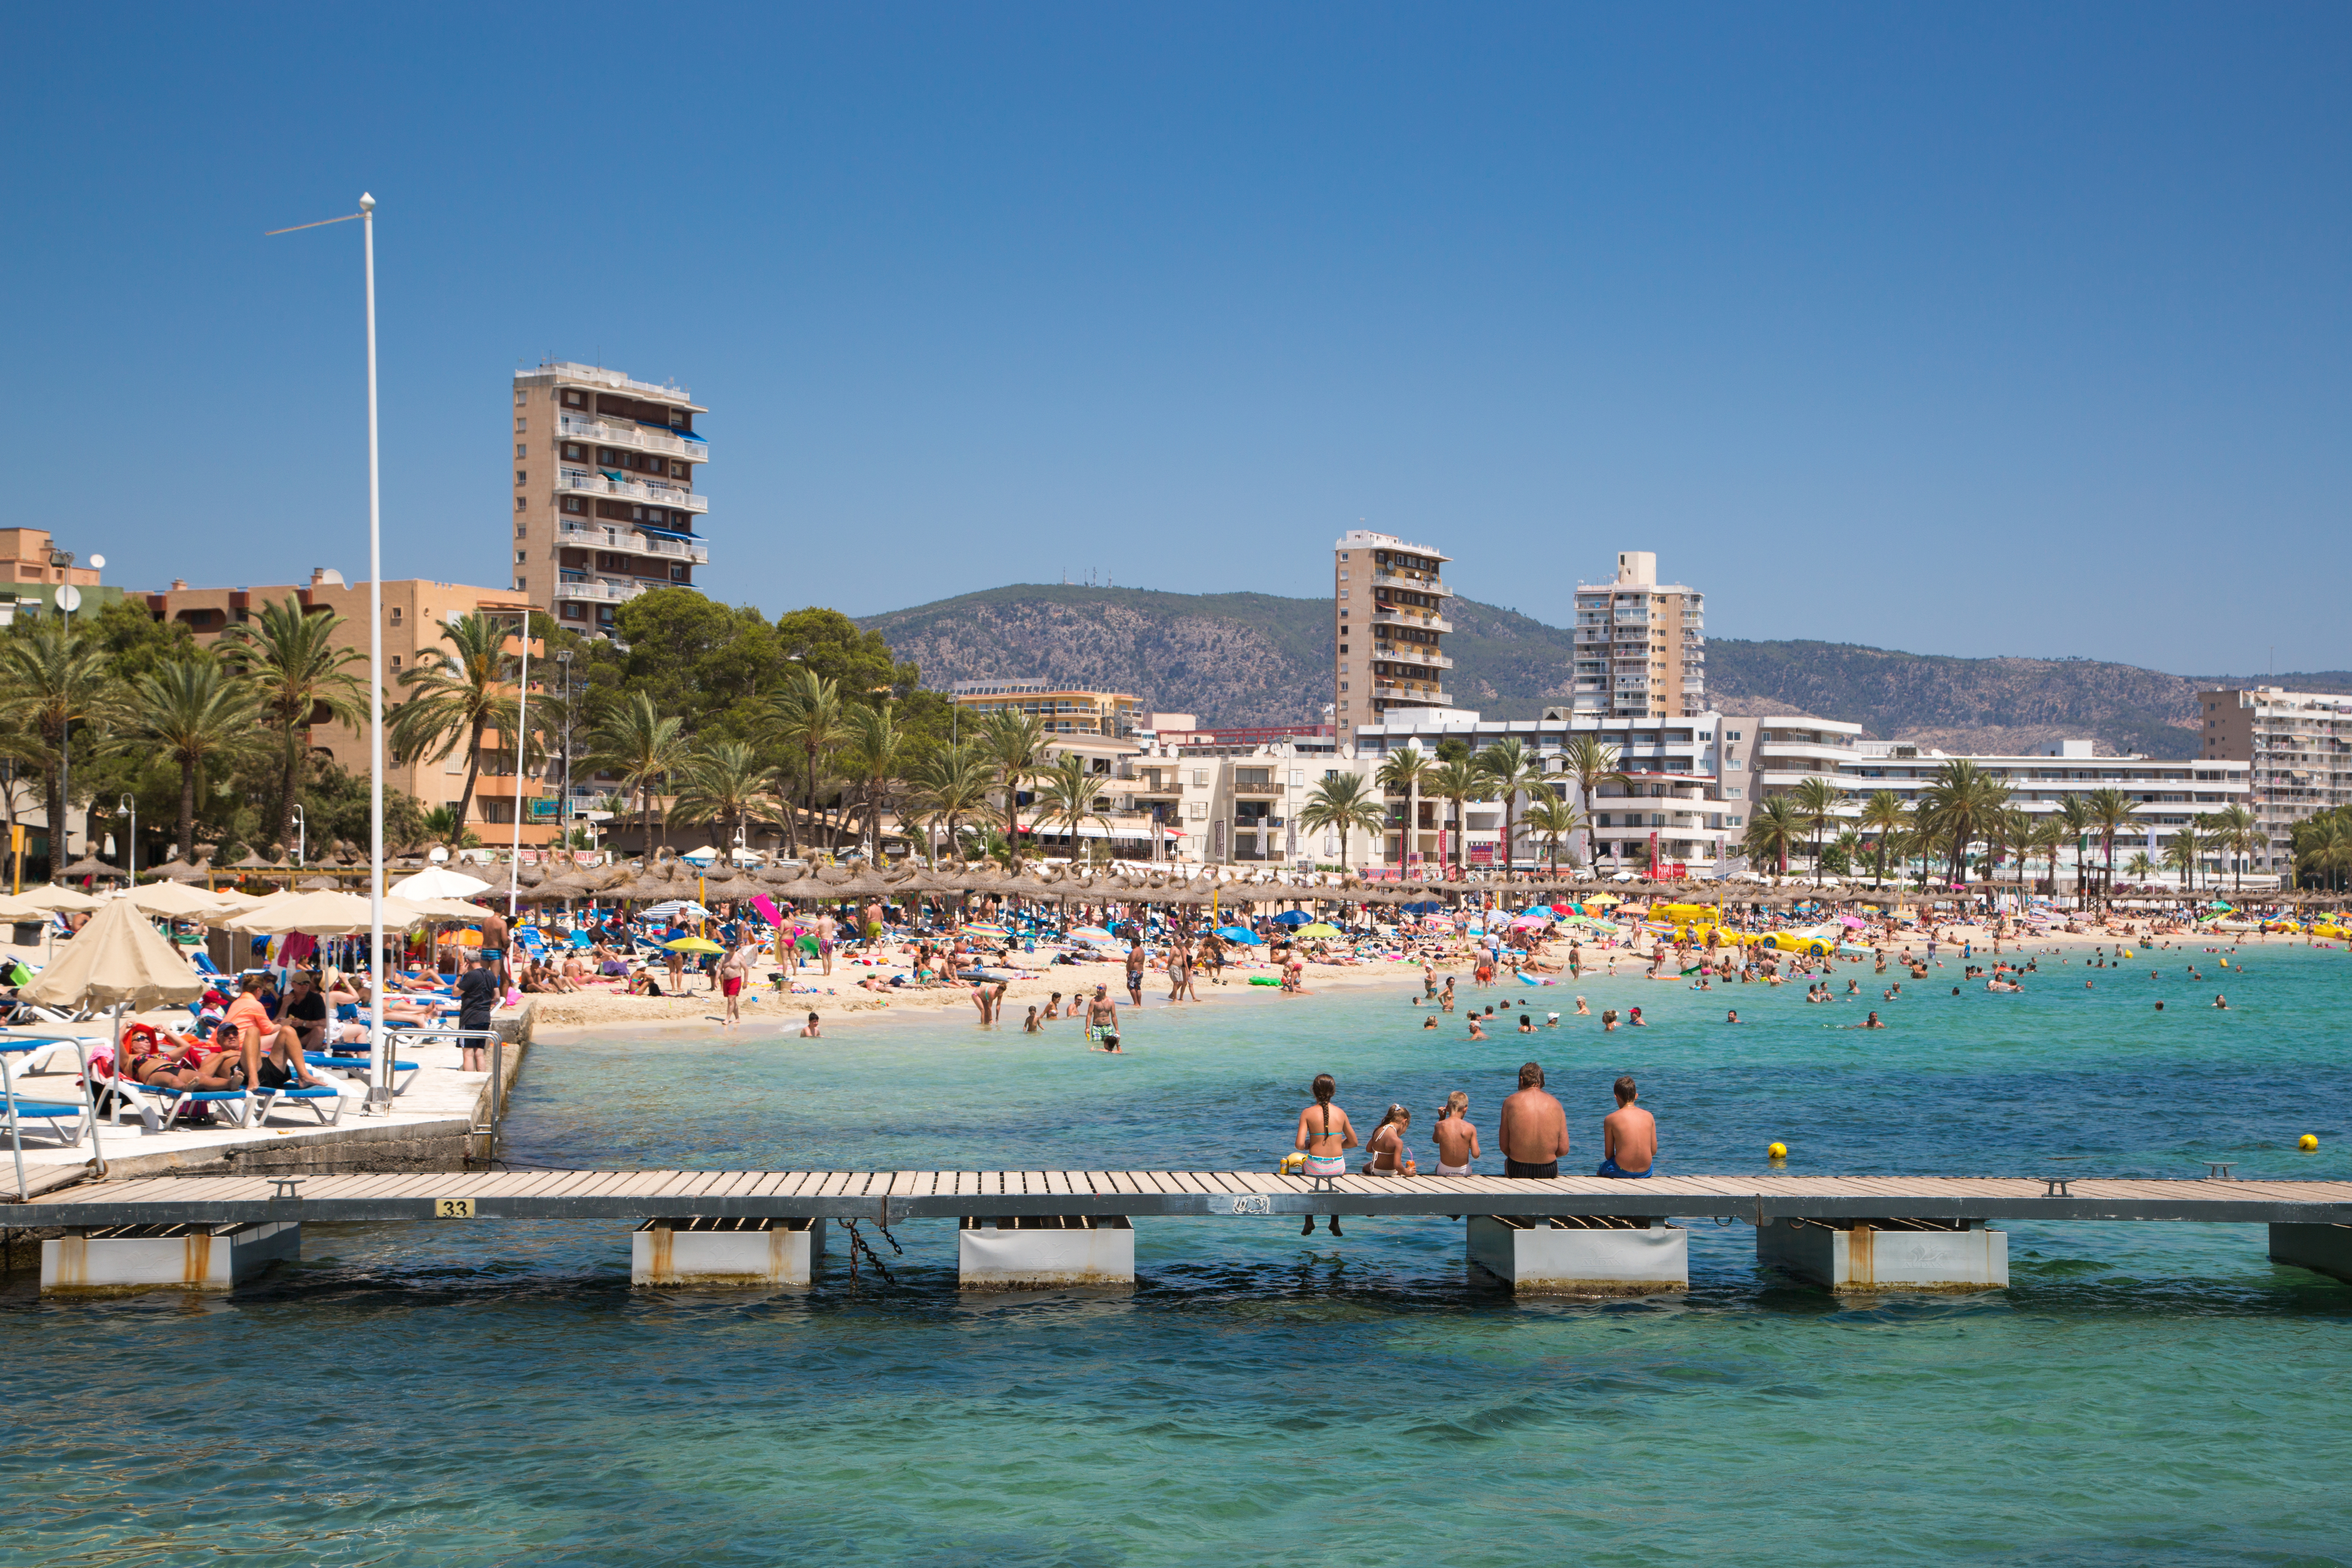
x=564 y=817
x=131 y=845
x=379 y=1042
x=68 y=600
x=301 y=835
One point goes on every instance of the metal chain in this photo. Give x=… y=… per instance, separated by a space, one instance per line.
x=858 y=1244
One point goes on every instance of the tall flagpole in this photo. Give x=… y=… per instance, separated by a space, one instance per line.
x=379 y=1037
x=522 y=729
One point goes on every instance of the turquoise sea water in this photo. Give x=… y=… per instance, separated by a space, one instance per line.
x=499 y=1394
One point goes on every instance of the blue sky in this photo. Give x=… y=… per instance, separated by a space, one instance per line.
x=1970 y=329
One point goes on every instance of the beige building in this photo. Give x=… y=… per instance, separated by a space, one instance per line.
x=1389 y=602
x=605 y=503
x=2298 y=745
x=1063 y=711
x=1641 y=644
x=32 y=570
x=413 y=610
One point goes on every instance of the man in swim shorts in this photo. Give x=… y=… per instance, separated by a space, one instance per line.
x=1102 y=1022
x=1533 y=1130
x=1629 y=1137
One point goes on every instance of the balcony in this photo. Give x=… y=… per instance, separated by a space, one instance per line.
x=613 y=536
x=1412 y=694
x=608 y=590
x=636 y=437
x=1254 y=791
x=587 y=482
x=1400 y=656
x=1390 y=615
x=1413 y=580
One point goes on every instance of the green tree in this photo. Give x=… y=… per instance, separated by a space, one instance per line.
x=1406 y=771
x=1815 y=800
x=1962 y=804
x=2074 y=814
x=1772 y=826
x=722 y=781
x=857 y=662
x=1885 y=814
x=1344 y=803
x=1457 y=783
x=2045 y=837
x=55 y=691
x=2108 y=811
x=1553 y=820
x=2238 y=833
x=1510 y=767
x=2180 y=853
x=641 y=747
x=950 y=784
x=1070 y=792
x=302 y=679
x=1592 y=762
x=809 y=718
x=457 y=697
x=715 y=667
x=2139 y=868
x=875 y=752
x=1015 y=743
x=197 y=715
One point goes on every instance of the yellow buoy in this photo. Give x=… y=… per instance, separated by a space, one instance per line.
x=1781 y=1151
x=2307 y=1143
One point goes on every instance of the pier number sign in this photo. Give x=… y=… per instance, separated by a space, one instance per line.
x=1241 y=1203
x=453 y=1209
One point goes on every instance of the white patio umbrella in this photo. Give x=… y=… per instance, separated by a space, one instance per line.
x=436 y=882
x=174 y=898
x=323 y=914
x=49 y=895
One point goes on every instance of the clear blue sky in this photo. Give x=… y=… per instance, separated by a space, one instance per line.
x=1966 y=330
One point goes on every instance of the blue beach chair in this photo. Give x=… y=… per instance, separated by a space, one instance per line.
x=20 y=1112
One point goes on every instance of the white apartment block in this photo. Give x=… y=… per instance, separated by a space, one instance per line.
x=605 y=503
x=2298 y=747
x=1641 y=644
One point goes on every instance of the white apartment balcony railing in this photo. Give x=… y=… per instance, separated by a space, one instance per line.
x=604 y=590
x=637 y=437
x=590 y=483
x=1419 y=584
x=1392 y=615
x=1430 y=660
x=614 y=537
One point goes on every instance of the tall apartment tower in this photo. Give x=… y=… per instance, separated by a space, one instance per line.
x=2299 y=744
x=604 y=505
x=1389 y=607
x=1641 y=644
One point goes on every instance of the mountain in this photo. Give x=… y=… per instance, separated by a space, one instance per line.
x=1261 y=659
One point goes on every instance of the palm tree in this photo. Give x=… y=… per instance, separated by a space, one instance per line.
x=2075 y=812
x=1962 y=805
x=2239 y=831
x=809 y=718
x=1815 y=801
x=950 y=783
x=2180 y=853
x=1072 y=791
x=460 y=697
x=54 y=682
x=1884 y=814
x=196 y=714
x=1458 y=783
x=2139 y=868
x=302 y=679
x=1407 y=771
x=2046 y=837
x=877 y=749
x=1343 y=803
x=1510 y=767
x=1592 y=762
x=1772 y=826
x=1015 y=743
x=722 y=782
x=1551 y=820
x=641 y=747
x=2108 y=809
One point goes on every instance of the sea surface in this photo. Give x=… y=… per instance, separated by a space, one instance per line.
x=493 y=1393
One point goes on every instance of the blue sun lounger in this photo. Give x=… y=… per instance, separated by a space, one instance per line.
x=318 y=1098
x=359 y=1066
x=18 y=1111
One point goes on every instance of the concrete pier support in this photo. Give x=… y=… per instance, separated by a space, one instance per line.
x=120 y=1259
x=726 y=1251
x=2321 y=1248
x=1580 y=1255
x=1866 y=1255
x=1048 y=1251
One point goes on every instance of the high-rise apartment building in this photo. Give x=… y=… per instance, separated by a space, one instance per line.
x=2299 y=744
x=1641 y=644
x=604 y=504
x=1389 y=606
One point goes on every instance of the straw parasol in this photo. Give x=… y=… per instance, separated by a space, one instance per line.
x=91 y=866
x=176 y=871
x=173 y=898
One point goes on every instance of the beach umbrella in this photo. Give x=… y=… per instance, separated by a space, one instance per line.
x=173 y=898
x=91 y=866
x=118 y=958
x=323 y=914
x=1241 y=933
x=438 y=882
x=465 y=937
x=1293 y=917
x=1092 y=934
x=1320 y=929
x=50 y=896
x=693 y=945
x=685 y=907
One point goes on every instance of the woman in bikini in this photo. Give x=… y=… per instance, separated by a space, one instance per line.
x=1387 y=1146
x=1456 y=1137
x=1324 y=1131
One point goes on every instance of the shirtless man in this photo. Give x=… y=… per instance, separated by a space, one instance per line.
x=1178 y=971
x=1135 y=974
x=1102 y=1021
x=1533 y=1129
x=1629 y=1137
x=734 y=970
x=826 y=925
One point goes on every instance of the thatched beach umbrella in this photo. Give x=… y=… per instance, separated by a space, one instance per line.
x=91 y=866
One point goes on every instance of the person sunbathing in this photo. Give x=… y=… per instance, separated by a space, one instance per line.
x=183 y=1064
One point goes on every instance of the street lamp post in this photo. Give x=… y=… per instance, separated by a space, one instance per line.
x=131 y=845
x=301 y=835
x=563 y=817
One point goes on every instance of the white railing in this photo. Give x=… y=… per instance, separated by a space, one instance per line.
x=642 y=437
x=601 y=590
x=1393 y=614
x=1420 y=584
x=587 y=482
x=615 y=537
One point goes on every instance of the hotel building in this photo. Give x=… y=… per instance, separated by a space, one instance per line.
x=604 y=499
x=1641 y=644
x=2298 y=747
x=1390 y=642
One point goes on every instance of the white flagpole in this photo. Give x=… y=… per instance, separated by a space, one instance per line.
x=522 y=716
x=379 y=1037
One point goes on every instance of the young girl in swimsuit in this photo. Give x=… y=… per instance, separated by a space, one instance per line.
x=1387 y=1146
x=1324 y=1131
x=1457 y=1138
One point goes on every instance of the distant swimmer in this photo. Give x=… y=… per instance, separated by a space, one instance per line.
x=1731 y=1017
x=2221 y=1002
x=1871 y=1022
x=1476 y=1032
x=1429 y=1023
x=1581 y=1010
